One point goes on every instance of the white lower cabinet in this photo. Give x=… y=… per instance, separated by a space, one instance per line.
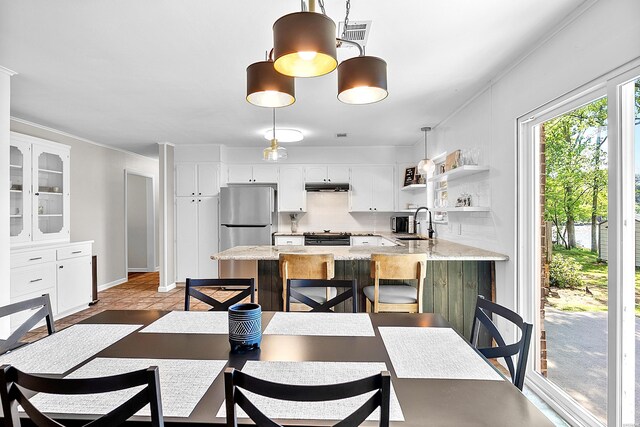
x=73 y=288
x=196 y=237
x=63 y=271
x=289 y=240
x=365 y=240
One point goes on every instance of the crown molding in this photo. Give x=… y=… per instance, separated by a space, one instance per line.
x=79 y=138
x=7 y=71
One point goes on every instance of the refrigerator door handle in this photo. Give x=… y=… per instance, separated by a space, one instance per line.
x=244 y=226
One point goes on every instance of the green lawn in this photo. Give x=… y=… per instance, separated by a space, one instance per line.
x=594 y=279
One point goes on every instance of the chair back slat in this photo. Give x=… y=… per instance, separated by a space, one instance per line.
x=350 y=292
x=483 y=317
x=303 y=266
x=236 y=380
x=13 y=381
x=398 y=267
x=247 y=290
x=43 y=312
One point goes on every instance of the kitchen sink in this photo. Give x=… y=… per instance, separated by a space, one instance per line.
x=412 y=238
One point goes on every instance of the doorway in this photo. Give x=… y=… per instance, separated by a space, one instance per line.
x=140 y=254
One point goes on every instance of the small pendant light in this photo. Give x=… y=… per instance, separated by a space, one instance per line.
x=304 y=44
x=426 y=165
x=274 y=152
x=268 y=88
x=362 y=80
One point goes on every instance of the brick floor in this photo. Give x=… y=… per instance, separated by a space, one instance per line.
x=140 y=292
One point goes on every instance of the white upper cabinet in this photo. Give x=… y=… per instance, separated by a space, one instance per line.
x=291 y=194
x=372 y=189
x=250 y=174
x=197 y=179
x=39 y=192
x=338 y=174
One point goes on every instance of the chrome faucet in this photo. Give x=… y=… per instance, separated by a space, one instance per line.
x=415 y=221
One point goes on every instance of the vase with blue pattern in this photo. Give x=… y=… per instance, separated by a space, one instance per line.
x=245 y=326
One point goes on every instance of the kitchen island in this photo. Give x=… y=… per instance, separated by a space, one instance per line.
x=456 y=274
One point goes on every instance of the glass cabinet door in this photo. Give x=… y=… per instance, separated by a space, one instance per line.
x=51 y=201
x=20 y=191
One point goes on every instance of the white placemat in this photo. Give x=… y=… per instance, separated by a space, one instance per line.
x=434 y=353
x=191 y=322
x=314 y=373
x=58 y=353
x=182 y=385
x=322 y=324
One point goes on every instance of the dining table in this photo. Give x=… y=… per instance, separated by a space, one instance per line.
x=437 y=378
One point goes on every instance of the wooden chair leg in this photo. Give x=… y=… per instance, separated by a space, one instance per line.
x=368 y=308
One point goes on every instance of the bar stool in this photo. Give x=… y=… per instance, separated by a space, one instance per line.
x=396 y=298
x=299 y=266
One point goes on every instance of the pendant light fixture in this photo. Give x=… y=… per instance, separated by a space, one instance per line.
x=268 y=88
x=304 y=45
x=426 y=165
x=274 y=152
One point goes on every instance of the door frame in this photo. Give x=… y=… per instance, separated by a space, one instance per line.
x=151 y=222
x=621 y=212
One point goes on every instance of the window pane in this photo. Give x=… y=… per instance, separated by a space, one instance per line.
x=573 y=302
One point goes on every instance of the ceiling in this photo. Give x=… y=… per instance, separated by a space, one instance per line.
x=131 y=73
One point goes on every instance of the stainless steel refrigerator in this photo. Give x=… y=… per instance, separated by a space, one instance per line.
x=247 y=217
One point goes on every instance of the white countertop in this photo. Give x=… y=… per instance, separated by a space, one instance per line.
x=435 y=249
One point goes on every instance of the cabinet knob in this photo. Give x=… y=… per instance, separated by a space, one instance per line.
x=193 y=194
x=300 y=208
x=329 y=180
x=37 y=194
x=324 y=180
x=62 y=266
x=192 y=200
x=199 y=194
x=369 y=208
x=199 y=200
x=375 y=209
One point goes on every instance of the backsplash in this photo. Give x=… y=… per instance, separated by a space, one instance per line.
x=330 y=211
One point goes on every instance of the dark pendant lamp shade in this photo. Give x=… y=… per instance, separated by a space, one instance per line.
x=304 y=44
x=362 y=80
x=268 y=88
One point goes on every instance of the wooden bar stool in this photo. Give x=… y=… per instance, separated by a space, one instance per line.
x=396 y=298
x=299 y=266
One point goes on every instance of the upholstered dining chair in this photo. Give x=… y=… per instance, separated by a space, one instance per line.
x=396 y=298
x=245 y=288
x=304 y=266
x=13 y=383
x=42 y=305
x=236 y=381
x=485 y=309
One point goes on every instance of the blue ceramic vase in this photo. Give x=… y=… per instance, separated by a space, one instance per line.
x=245 y=326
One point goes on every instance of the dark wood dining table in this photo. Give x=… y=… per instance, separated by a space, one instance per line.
x=424 y=402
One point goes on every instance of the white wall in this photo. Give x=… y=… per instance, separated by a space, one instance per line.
x=98 y=196
x=167 y=217
x=137 y=222
x=5 y=105
x=597 y=41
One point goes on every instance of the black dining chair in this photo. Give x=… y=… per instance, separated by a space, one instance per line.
x=235 y=380
x=483 y=317
x=319 y=285
x=246 y=288
x=42 y=305
x=13 y=382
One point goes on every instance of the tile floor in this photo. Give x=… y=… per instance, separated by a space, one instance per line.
x=140 y=292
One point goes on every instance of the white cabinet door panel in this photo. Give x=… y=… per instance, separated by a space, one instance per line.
x=74 y=283
x=361 y=189
x=383 y=194
x=207 y=237
x=186 y=237
x=291 y=194
x=208 y=184
x=186 y=179
x=316 y=174
x=338 y=174
x=265 y=174
x=240 y=174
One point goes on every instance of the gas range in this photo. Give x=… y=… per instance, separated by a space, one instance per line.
x=327 y=238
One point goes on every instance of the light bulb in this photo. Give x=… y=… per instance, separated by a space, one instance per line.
x=426 y=167
x=308 y=55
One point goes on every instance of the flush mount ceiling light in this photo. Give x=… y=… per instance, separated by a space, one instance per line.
x=268 y=88
x=426 y=165
x=274 y=153
x=284 y=135
x=304 y=45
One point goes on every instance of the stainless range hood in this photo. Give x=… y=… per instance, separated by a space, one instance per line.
x=327 y=187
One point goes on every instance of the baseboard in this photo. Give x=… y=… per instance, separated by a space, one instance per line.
x=112 y=284
x=141 y=270
x=167 y=288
